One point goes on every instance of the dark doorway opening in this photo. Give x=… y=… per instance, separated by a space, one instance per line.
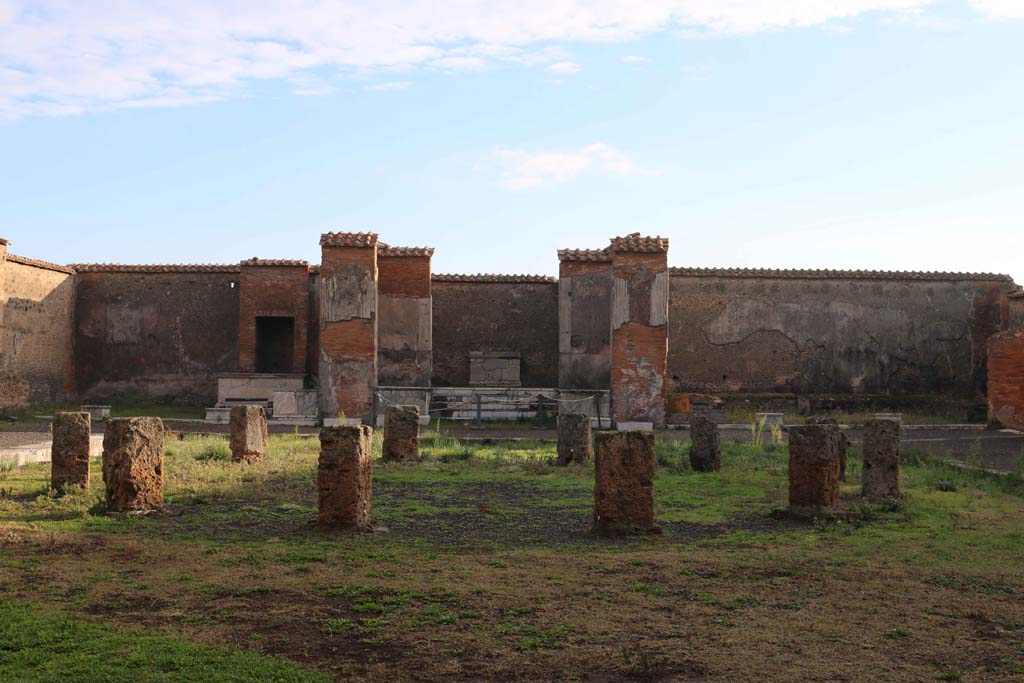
x=275 y=344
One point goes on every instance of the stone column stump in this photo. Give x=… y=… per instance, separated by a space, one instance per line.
x=624 y=483
x=133 y=464
x=401 y=433
x=248 y=434
x=69 y=455
x=844 y=441
x=344 y=477
x=705 y=450
x=814 y=469
x=575 y=441
x=881 y=476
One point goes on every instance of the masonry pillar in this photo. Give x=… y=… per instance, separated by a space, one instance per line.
x=624 y=484
x=405 y=325
x=348 y=326
x=1006 y=379
x=584 y=323
x=814 y=469
x=881 y=473
x=345 y=477
x=69 y=453
x=639 y=324
x=3 y=287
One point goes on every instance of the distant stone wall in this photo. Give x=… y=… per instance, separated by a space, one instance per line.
x=495 y=313
x=833 y=332
x=36 y=345
x=155 y=332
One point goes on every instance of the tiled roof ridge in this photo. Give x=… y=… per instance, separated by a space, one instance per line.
x=1019 y=294
x=821 y=274
x=254 y=261
x=596 y=255
x=349 y=239
x=156 y=268
x=494 y=278
x=26 y=261
x=636 y=242
x=388 y=250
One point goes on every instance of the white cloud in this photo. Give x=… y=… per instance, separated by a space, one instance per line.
x=70 y=56
x=633 y=59
x=390 y=85
x=522 y=169
x=564 y=68
x=1000 y=9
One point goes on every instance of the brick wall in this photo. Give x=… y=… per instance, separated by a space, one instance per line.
x=348 y=325
x=584 y=322
x=405 y=324
x=36 y=347
x=1006 y=379
x=267 y=290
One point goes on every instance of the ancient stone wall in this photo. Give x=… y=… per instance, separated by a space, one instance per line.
x=584 y=319
x=495 y=313
x=405 y=323
x=155 y=332
x=273 y=288
x=37 y=299
x=827 y=331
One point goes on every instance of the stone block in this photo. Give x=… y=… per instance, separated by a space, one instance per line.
x=705 y=450
x=69 y=454
x=14 y=394
x=881 y=475
x=814 y=469
x=843 y=443
x=133 y=464
x=296 y=403
x=624 y=483
x=97 y=413
x=494 y=369
x=344 y=477
x=248 y=433
x=401 y=433
x=575 y=442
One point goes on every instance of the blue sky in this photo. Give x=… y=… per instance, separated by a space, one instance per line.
x=883 y=134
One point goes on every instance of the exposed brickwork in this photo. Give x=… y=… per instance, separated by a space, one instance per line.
x=273 y=289
x=133 y=464
x=69 y=454
x=401 y=433
x=585 y=255
x=624 y=483
x=405 y=320
x=155 y=268
x=798 y=274
x=407 y=276
x=1006 y=379
x=495 y=279
x=248 y=430
x=345 y=477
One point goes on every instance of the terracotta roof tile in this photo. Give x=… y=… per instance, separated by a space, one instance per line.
x=39 y=264
x=1019 y=294
x=349 y=239
x=599 y=255
x=798 y=274
x=156 y=268
x=388 y=250
x=275 y=262
x=503 y=279
x=635 y=242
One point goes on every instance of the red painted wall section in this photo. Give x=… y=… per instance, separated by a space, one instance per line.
x=1006 y=379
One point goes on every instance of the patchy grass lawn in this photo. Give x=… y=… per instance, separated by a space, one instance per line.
x=482 y=568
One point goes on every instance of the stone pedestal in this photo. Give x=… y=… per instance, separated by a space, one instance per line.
x=133 y=464
x=248 y=433
x=624 y=483
x=881 y=476
x=344 y=477
x=705 y=450
x=813 y=469
x=575 y=442
x=69 y=455
x=401 y=433
x=843 y=443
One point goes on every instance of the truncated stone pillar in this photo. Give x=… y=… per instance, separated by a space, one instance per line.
x=813 y=469
x=405 y=326
x=401 y=433
x=1006 y=379
x=348 y=326
x=575 y=441
x=705 y=448
x=344 y=477
x=248 y=433
x=584 y=322
x=133 y=464
x=639 y=318
x=69 y=455
x=624 y=483
x=881 y=476
x=843 y=441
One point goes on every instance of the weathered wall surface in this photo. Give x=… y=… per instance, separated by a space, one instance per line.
x=1006 y=379
x=813 y=332
x=36 y=346
x=155 y=332
x=502 y=313
x=584 y=312
x=405 y=323
x=273 y=288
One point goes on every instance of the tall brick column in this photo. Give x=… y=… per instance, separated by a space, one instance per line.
x=1006 y=379
x=639 y=321
x=405 y=327
x=584 y=327
x=348 y=325
x=3 y=286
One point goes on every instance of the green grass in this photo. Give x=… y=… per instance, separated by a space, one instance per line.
x=46 y=647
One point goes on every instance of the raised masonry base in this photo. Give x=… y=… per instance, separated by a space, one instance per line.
x=284 y=398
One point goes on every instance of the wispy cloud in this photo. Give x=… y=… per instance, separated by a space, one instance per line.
x=633 y=59
x=389 y=85
x=522 y=169
x=564 y=68
x=1000 y=9
x=64 y=57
